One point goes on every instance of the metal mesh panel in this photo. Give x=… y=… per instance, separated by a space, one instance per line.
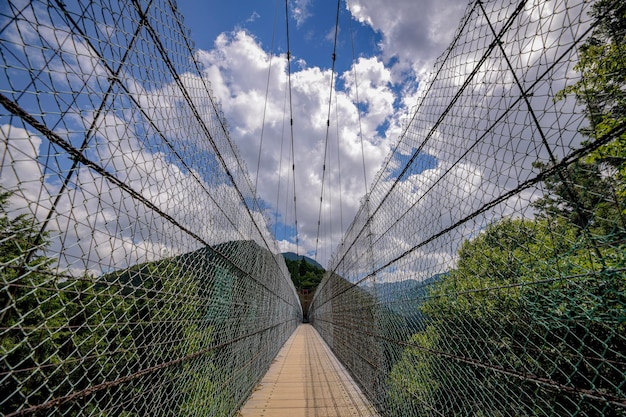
x=484 y=272
x=138 y=275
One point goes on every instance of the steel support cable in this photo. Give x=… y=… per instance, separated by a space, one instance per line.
x=339 y=164
x=564 y=178
x=338 y=181
x=330 y=103
x=280 y=165
x=358 y=110
x=204 y=127
x=55 y=402
x=453 y=101
x=35 y=245
x=219 y=117
x=571 y=158
x=524 y=376
x=293 y=160
x=267 y=90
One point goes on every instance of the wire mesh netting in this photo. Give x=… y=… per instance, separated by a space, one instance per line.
x=482 y=275
x=138 y=275
x=484 y=272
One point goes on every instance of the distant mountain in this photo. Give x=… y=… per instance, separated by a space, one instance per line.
x=403 y=298
x=293 y=257
x=409 y=289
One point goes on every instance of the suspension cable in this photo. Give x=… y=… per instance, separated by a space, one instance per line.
x=280 y=166
x=339 y=165
x=330 y=101
x=358 y=110
x=293 y=159
x=267 y=90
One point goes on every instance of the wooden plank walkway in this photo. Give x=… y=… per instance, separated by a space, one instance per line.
x=306 y=379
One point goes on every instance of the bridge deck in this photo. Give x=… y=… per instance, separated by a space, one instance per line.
x=306 y=379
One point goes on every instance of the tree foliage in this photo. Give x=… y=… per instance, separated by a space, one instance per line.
x=62 y=335
x=602 y=87
x=533 y=317
x=304 y=275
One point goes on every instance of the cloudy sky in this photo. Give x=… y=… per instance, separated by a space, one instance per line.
x=178 y=196
x=383 y=51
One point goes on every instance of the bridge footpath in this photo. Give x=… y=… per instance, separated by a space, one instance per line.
x=306 y=379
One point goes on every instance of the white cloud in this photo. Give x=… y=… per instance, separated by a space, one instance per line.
x=253 y=17
x=238 y=69
x=96 y=226
x=414 y=32
x=300 y=11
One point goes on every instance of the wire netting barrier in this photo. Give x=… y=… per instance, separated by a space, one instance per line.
x=138 y=274
x=484 y=274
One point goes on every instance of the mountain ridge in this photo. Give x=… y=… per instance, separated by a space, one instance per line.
x=294 y=257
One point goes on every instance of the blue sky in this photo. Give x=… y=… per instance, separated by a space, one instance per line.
x=395 y=46
x=311 y=30
x=339 y=145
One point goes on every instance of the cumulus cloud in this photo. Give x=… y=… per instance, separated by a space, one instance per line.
x=105 y=228
x=177 y=197
x=470 y=120
x=301 y=11
x=414 y=32
x=238 y=69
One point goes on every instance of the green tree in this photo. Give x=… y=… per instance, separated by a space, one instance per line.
x=533 y=317
x=62 y=335
x=304 y=275
x=302 y=268
x=57 y=333
x=527 y=298
x=415 y=381
x=602 y=87
x=586 y=197
x=28 y=307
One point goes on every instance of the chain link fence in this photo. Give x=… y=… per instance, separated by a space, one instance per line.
x=484 y=274
x=138 y=274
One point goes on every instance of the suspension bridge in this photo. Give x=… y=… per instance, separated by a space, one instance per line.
x=483 y=273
